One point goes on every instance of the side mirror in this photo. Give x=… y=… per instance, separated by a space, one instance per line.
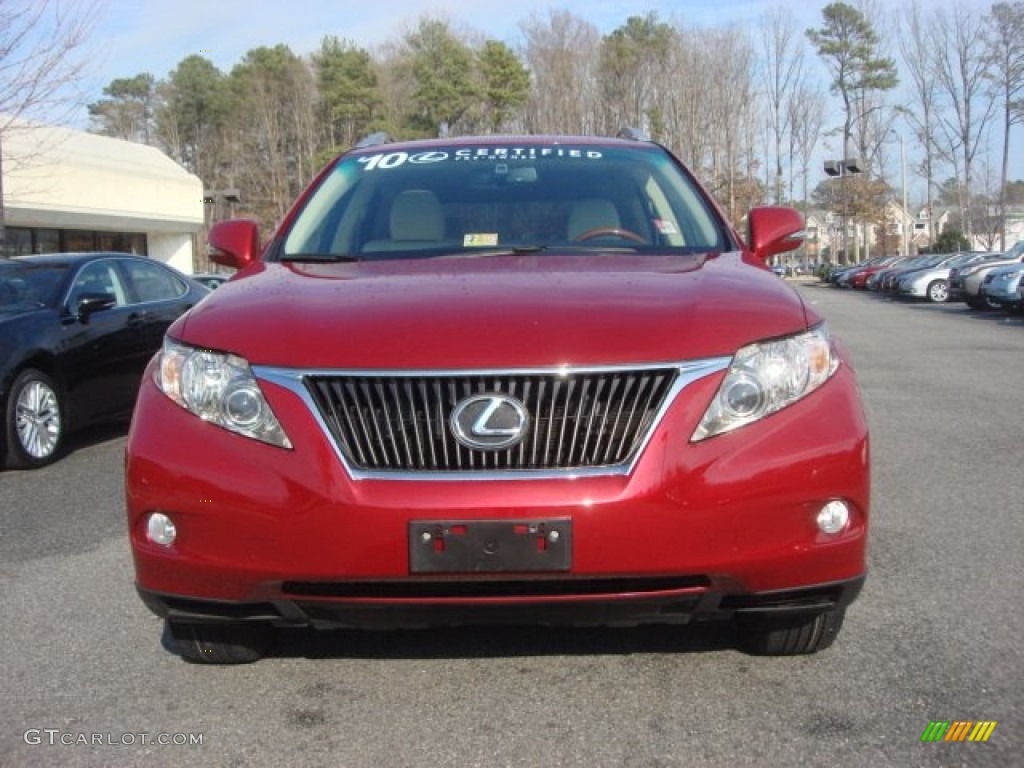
x=89 y=303
x=234 y=243
x=774 y=229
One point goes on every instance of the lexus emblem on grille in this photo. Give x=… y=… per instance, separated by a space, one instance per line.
x=489 y=421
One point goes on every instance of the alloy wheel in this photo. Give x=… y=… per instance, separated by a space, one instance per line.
x=938 y=291
x=37 y=419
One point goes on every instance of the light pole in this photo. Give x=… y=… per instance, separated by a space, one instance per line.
x=903 y=184
x=211 y=215
x=842 y=169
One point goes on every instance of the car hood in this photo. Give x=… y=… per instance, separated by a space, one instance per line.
x=1008 y=269
x=929 y=273
x=516 y=311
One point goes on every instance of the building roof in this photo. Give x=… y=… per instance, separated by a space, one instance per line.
x=59 y=177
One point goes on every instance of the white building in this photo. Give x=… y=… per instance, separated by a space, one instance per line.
x=66 y=190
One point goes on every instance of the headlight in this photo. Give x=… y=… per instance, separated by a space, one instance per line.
x=766 y=377
x=218 y=388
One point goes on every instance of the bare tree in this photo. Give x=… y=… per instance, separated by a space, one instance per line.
x=43 y=55
x=732 y=108
x=783 y=51
x=806 y=107
x=561 y=52
x=1007 y=57
x=917 y=48
x=962 y=74
x=986 y=219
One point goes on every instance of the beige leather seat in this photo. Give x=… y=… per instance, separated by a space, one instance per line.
x=592 y=213
x=416 y=220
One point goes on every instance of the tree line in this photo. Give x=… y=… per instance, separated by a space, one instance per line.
x=742 y=105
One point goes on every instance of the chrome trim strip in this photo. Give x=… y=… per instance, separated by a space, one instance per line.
x=293 y=379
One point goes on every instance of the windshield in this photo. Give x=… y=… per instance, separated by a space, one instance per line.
x=32 y=285
x=1016 y=252
x=965 y=258
x=478 y=199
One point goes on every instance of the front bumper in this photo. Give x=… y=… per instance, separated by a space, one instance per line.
x=608 y=602
x=695 y=530
x=1004 y=300
x=957 y=291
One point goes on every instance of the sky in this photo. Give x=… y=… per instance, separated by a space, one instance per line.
x=153 y=36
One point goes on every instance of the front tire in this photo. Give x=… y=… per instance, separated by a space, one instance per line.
x=979 y=304
x=219 y=643
x=34 y=421
x=790 y=635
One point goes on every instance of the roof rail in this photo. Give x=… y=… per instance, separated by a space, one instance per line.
x=373 y=140
x=633 y=134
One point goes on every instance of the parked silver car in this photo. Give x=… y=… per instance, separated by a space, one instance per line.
x=1002 y=286
x=932 y=282
x=965 y=282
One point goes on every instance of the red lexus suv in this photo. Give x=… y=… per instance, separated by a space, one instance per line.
x=498 y=380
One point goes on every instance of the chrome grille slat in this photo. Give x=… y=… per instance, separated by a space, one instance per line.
x=550 y=419
x=609 y=437
x=390 y=444
x=578 y=420
x=579 y=415
x=428 y=422
x=570 y=386
x=626 y=387
x=353 y=431
x=595 y=407
x=367 y=397
x=535 y=460
x=363 y=434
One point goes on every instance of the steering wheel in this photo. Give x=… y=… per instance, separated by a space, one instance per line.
x=626 y=234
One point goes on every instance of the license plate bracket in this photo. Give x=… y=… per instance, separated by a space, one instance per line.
x=490 y=546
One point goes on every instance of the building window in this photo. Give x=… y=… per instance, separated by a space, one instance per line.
x=46 y=241
x=122 y=242
x=19 y=241
x=76 y=240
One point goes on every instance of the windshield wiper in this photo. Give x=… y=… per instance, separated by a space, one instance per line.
x=477 y=253
x=317 y=257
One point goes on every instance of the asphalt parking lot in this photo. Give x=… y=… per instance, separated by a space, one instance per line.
x=935 y=636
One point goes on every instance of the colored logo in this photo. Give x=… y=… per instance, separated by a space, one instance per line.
x=958 y=730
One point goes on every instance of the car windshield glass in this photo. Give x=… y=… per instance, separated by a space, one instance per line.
x=964 y=258
x=1016 y=252
x=499 y=199
x=29 y=284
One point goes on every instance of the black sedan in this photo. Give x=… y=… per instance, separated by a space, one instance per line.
x=76 y=332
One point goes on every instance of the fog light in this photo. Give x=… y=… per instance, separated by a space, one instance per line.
x=161 y=529
x=834 y=517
